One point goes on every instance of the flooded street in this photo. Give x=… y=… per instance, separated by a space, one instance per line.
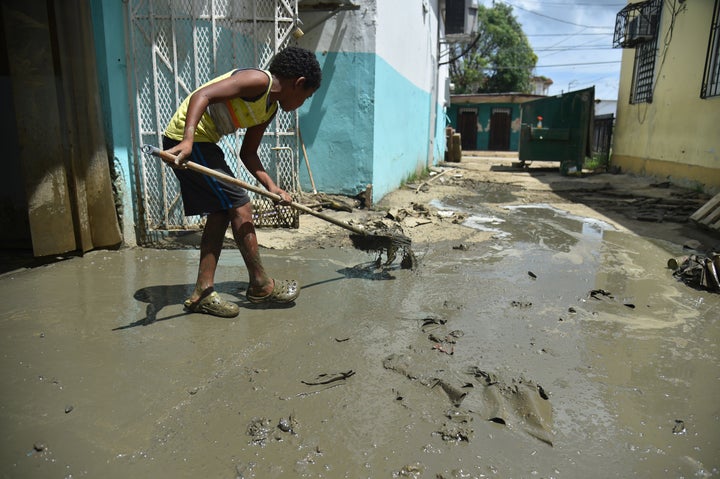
x=559 y=346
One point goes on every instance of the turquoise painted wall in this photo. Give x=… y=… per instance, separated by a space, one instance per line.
x=367 y=124
x=402 y=129
x=484 y=111
x=337 y=125
x=109 y=27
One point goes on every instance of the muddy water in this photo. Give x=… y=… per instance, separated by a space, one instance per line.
x=491 y=359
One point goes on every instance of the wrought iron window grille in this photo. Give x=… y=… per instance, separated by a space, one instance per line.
x=711 y=74
x=637 y=23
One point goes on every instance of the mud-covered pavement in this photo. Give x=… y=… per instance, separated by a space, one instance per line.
x=538 y=337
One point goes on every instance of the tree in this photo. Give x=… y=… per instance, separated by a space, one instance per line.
x=500 y=58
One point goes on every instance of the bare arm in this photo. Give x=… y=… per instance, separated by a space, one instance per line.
x=251 y=160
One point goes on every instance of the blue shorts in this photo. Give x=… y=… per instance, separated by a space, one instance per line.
x=202 y=194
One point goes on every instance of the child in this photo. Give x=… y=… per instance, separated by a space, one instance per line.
x=244 y=98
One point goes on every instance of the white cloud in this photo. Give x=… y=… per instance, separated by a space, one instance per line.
x=573 y=42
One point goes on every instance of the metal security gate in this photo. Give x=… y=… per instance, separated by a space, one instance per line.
x=602 y=137
x=177 y=45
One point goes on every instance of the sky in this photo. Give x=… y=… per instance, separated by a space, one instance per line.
x=573 y=42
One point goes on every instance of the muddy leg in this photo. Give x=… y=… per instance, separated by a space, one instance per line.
x=210 y=247
x=244 y=233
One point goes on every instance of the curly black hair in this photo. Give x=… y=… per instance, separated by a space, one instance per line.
x=296 y=62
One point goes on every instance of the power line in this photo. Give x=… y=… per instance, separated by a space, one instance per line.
x=576 y=64
x=571 y=4
x=576 y=48
x=549 y=66
x=565 y=34
x=553 y=18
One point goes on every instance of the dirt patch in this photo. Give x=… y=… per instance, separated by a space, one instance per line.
x=657 y=209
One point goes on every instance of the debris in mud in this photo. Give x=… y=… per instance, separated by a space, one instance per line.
x=599 y=294
x=327 y=378
x=675 y=263
x=521 y=304
x=245 y=471
x=69 y=408
x=461 y=247
x=532 y=275
x=450 y=305
x=259 y=430
x=430 y=324
x=452 y=432
x=287 y=424
x=410 y=470
x=449 y=338
x=444 y=349
x=679 y=427
x=700 y=272
x=516 y=402
x=320 y=201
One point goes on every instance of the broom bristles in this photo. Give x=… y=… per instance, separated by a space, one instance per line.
x=374 y=242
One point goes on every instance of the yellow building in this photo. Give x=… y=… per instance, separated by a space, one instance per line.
x=668 y=112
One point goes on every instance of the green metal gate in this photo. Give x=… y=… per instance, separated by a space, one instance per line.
x=558 y=128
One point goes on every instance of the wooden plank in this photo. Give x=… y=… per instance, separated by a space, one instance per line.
x=706 y=208
x=715 y=227
x=711 y=217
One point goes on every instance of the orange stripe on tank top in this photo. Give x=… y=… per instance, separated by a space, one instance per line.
x=234 y=117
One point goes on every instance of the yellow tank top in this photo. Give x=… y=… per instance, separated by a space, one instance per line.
x=226 y=117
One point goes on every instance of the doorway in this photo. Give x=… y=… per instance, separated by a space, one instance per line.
x=468 y=129
x=500 y=119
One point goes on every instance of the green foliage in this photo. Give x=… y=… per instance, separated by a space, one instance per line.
x=499 y=61
x=419 y=175
x=597 y=161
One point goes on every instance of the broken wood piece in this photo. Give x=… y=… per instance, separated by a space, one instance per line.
x=327 y=378
x=433 y=179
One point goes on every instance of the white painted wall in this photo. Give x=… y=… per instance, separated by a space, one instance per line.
x=407 y=38
x=379 y=116
x=348 y=31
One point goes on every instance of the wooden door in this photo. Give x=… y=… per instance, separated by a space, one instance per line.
x=500 y=119
x=468 y=129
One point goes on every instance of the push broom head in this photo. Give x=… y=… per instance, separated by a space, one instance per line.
x=389 y=244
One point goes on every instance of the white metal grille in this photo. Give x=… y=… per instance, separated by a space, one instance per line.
x=177 y=45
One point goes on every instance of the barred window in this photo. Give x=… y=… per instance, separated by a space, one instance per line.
x=641 y=31
x=644 y=72
x=711 y=76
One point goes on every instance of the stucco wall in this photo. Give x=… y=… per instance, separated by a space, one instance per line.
x=108 y=24
x=379 y=116
x=337 y=122
x=406 y=78
x=677 y=135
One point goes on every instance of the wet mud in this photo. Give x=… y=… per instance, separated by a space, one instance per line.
x=556 y=346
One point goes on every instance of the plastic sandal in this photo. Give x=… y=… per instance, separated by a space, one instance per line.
x=213 y=304
x=284 y=291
